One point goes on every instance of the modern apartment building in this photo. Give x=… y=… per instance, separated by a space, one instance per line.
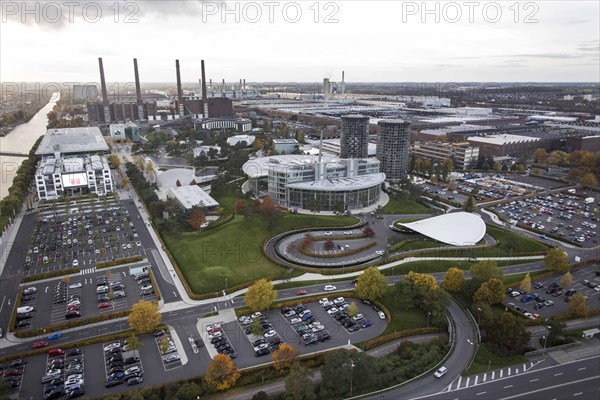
x=393 y=144
x=354 y=142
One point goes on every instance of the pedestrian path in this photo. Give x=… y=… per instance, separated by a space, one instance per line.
x=87 y=271
x=463 y=382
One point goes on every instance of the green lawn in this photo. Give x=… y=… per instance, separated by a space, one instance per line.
x=234 y=250
x=409 y=206
x=424 y=243
x=487 y=360
x=402 y=318
x=518 y=243
x=517 y=278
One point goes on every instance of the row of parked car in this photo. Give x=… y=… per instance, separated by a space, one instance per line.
x=166 y=346
x=64 y=374
x=270 y=339
x=12 y=374
x=121 y=369
x=305 y=324
x=338 y=309
x=219 y=340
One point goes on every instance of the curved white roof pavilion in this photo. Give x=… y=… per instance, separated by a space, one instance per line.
x=457 y=229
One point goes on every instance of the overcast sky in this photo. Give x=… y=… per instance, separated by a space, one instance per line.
x=373 y=41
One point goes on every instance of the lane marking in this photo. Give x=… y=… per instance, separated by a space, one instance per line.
x=508 y=386
x=550 y=387
x=534 y=380
x=581 y=369
x=558 y=374
x=480 y=393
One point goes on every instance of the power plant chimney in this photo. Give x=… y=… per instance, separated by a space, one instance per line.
x=138 y=91
x=244 y=84
x=223 y=89
x=105 y=103
x=204 y=93
x=343 y=88
x=179 y=90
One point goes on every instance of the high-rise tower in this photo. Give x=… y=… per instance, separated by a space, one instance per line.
x=393 y=142
x=354 y=140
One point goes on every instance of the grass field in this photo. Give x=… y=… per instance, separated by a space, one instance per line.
x=416 y=245
x=232 y=254
x=518 y=243
x=402 y=318
x=409 y=206
x=487 y=360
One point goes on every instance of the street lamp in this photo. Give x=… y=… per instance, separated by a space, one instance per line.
x=478 y=315
x=428 y=315
x=546 y=338
x=351 y=373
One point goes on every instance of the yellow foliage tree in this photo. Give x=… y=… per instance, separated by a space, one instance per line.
x=526 y=284
x=144 y=317
x=567 y=280
x=454 y=280
x=371 y=284
x=221 y=373
x=284 y=357
x=490 y=292
x=578 y=305
x=260 y=295
x=423 y=280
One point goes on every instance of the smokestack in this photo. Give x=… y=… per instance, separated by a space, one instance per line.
x=179 y=91
x=204 y=93
x=138 y=91
x=343 y=88
x=240 y=84
x=105 y=104
x=244 y=84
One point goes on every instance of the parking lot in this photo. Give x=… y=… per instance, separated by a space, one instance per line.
x=561 y=214
x=80 y=235
x=83 y=296
x=549 y=301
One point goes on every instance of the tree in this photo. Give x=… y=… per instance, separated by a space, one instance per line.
x=371 y=284
x=260 y=295
x=353 y=309
x=328 y=245
x=133 y=343
x=196 y=219
x=284 y=356
x=188 y=391
x=164 y=344
x=454 y=280
x=578 y=306
x=447 y=168
x=470 y=205
x=557 y=261
x=298 y=385
x=422 y=280
x=482 y=272
x=240 y=206
x=540 y=155
x=193 y=182
x=335 y=374
x=507 y=333
x=221 y=373
x=555 y=333
x=526 y=283
x=567 y=280
x=368 y=232
x=589 y=181
x=490 y=292
x=144 y=317
x=256 y=328
x=115 y=160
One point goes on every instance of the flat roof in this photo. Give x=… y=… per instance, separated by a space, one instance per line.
x=192 y=195
x=457 y=229
x=342 y=184
x=259 y=167
x=72 y=140
x=502 y=139
x=285 y=141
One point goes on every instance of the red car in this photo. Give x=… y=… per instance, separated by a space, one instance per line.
x=39 y=345
x=104 y=305
x=301 y=292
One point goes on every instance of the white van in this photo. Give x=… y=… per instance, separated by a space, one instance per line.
x=24 y=310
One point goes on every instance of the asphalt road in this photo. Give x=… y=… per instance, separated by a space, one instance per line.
x=575 y=380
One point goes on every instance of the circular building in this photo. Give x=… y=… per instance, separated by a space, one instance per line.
x=457 y=229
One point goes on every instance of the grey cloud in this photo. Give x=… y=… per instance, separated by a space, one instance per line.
x=449 y=65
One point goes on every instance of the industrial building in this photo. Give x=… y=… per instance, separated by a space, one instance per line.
x=334 y=146
x=298 y=181
x=128 y=131
x=355 y=136
x=506 y=145
x=393 y=143
x=234 y=140
x=464 y=155
x=72 y=141
x=286 y=146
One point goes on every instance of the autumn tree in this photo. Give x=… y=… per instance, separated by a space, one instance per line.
x=284 y=356
x=556 y=260
x=589 y=181
x=193 y=182
x=221 y=373
x=470 y=204
x=298 y=385
x=578 y=306
x=421 y=291
x=423 y=280
x=196 y=219
x=371 y=284
x=353 y=309
x=490 y=292
x=540 y=155
x=188 y=391
x=164 y=344
x=368 y=232
x=507 y=333
x=526 y=283
x=144 y=317
x=260 y=295
x=454 y=280
x=328 y=245
x=133 y=343
x=482 y=272
x=567 y=280
x=240 y=207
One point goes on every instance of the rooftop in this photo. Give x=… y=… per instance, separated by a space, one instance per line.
x=285 y=141
x=193 y=195
x=502 y=139
x=342 y=184
x=72 y=140
x=457 y=229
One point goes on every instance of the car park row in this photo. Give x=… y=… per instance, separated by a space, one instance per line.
x=167 y=349
x=263 y=344
x=121 y=364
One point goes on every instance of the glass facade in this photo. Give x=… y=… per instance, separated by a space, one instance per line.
x=351 y=199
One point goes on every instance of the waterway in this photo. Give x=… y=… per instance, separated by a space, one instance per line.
x=20 y=140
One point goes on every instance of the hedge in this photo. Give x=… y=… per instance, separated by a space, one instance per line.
x=379 y=340
x=51 y=274
x=119 y=261
x=153 y=283
x=13 y=317
x=341 y=254
x=72 y=324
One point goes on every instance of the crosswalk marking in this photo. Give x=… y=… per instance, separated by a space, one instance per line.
x=87 y=271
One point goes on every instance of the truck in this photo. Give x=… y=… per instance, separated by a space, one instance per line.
x=589 y=200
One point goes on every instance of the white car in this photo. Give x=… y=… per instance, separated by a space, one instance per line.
x=146 y=287
x=324 y=301
x=332 y=311
x=75 y=263
x=109 y=347
x=75 y=285
x=295 y=321
x=215 y=334
x=172 y=358
x=245 y=320
x=329 y=288
x=256 y=315
x=328 y=233
x=381 y=314
x=132 y=370
x=270 y=333
x=357 y=317
x=440 y=372
x=128 y=245
x=379 y=252
x=210 y=327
